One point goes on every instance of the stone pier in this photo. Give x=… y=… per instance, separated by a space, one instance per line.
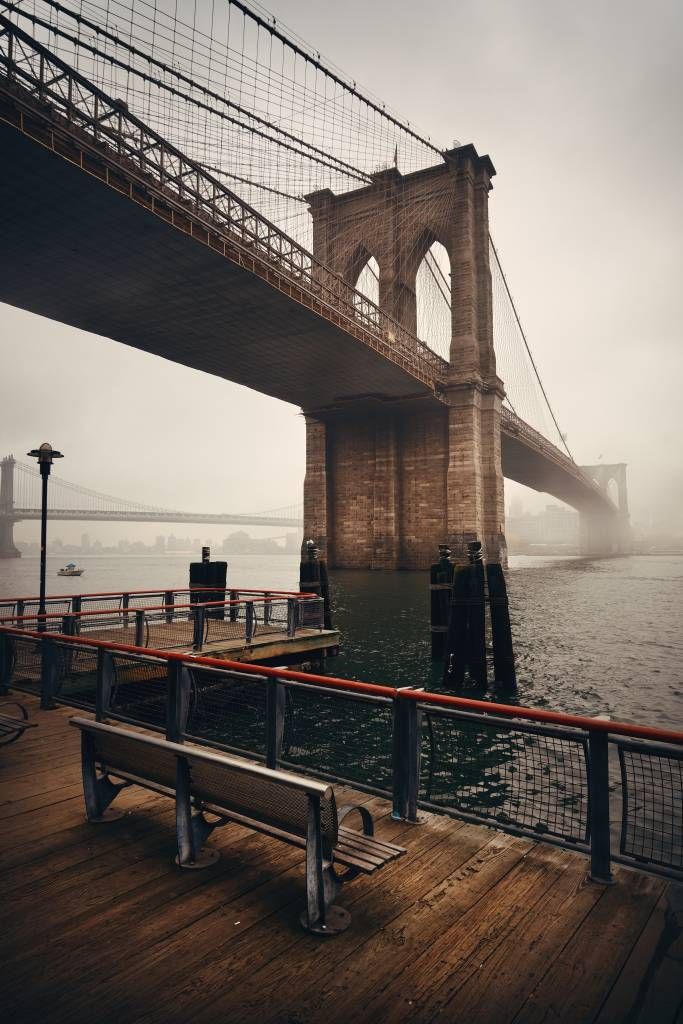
x=387 y=482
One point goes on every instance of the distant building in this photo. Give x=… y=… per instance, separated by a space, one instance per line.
x=555 y=529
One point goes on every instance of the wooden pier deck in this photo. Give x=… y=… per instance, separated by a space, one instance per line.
x=98 y=925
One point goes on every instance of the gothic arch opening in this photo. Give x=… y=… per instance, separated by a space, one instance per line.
x=367 y=282
x=433 y=300
x=613 y=491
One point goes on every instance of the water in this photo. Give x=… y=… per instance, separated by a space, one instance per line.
x=591 y=637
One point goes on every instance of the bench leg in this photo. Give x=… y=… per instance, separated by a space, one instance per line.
x=192 y=828
x=321 y=916
x=99 y=791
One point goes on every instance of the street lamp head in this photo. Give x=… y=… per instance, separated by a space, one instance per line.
x=45 y=454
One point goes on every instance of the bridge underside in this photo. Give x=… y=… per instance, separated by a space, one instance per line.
x=80 y=253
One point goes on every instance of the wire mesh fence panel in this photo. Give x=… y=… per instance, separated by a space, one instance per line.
x=104 y=603
x=53 y=606
x=76 y=676
x=652 y=806
x=339 y=736
x=26 y=665
x=165 y=631
x=151 y=600
x=117 y=627
x=310 y=613
x=270 y=616
x=8 y=610
x=33 y=624
x=140 y=690
x=534 y=781
x=232 y=627
x=228 y=709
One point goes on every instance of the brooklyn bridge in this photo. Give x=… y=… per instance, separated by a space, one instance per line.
x=213 y=194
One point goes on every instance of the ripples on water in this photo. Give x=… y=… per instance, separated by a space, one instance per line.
x=591 y=637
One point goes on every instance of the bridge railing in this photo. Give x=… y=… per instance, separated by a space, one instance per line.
x=190 y=625
x=120 y=149
x=610 y=790
x=515 y=425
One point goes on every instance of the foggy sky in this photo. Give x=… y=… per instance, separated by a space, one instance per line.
x=579 y=107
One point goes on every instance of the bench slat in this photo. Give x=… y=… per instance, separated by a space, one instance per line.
x=371 y=843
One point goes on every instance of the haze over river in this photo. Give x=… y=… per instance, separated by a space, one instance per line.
x=597 y=637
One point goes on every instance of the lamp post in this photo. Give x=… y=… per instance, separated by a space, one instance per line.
x=45 y=455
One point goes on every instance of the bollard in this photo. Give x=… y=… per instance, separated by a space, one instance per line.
x=476 y=636
x=440 y=583
x=313 y=579
x=455 y=661
x=501 y=634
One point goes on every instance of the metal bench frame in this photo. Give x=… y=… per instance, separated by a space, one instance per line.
x=11 y=727
x=355 y=852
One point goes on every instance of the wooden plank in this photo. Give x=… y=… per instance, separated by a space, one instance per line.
x=501 y=984
x=578 y=981
x=452 y=929
x=289 y=981
x=649 y=986
x=217 y=950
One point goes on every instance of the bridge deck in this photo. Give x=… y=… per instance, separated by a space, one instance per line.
x=98 y=923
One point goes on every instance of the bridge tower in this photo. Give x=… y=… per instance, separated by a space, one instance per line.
x=387 y=482
x=606 y=534
x=7 y=548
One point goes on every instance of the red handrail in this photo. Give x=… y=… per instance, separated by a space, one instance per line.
x=154 y=590
x=274 y=595
x=381 y=690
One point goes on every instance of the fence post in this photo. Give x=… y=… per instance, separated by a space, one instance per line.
x=406 y=758
x=266 y=607
x=248 y=621
x=198 y=629
x=177 y=701
x=6 y=658
x=106 y=677
x=20 y=609
x=140 y=627
x=169 y=602
x=76 y=605
x=49 y=667
x=234 y=596
x=598 y=806
x=125 y=604
x=70 y=627
x=292 y=615
x=275 y=721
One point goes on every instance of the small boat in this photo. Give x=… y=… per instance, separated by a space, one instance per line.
x=71 y=569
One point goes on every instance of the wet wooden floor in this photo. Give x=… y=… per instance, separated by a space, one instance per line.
x=98 y=924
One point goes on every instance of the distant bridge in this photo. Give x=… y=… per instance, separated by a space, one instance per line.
x=20 y=500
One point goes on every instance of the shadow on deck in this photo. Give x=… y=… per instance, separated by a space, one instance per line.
x=99 y=925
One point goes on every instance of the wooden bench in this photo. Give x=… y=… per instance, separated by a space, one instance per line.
x=288 y=807
x=12 y=726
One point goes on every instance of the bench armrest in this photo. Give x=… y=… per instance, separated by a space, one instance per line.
x=365 y=817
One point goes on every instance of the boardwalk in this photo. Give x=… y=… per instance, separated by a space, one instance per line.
x=471 y=925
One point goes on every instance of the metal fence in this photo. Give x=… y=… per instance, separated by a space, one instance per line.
x=525 y=771
x=172 y=625
x=63 y=604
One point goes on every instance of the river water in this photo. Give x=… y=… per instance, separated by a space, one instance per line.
x=597 y=637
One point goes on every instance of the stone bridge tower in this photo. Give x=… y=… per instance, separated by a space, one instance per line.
x=600 y=534
x=7 y=548
x=387 y=482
